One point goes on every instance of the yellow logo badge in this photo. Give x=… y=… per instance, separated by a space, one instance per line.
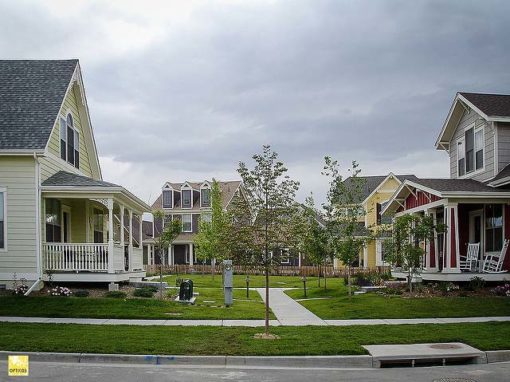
x=18 y=366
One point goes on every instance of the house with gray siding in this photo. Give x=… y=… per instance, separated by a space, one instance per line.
x=474 y=203
x=58 y=217
x=187 y=202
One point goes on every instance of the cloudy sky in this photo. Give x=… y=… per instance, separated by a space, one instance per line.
x=184 y=90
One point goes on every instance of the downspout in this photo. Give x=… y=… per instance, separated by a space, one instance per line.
x=37 y=226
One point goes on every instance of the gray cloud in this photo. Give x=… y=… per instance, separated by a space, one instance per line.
x=190 y=92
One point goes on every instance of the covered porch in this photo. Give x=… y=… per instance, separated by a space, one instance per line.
x=91 y=232
x=477 y=225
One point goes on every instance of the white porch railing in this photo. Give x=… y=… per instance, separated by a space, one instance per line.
x=137 y=259
x=75 y=257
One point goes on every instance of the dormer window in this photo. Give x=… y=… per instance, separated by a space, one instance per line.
x=167 y=198
x=69 y=141
x=186 y=198
x=205 y=197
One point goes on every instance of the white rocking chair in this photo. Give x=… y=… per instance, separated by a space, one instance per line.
x=470 y=261
x=493 y=263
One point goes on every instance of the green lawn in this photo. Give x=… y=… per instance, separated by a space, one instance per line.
x=209 y=305
x=337 y=305
x=204 y=340
x=256 y=281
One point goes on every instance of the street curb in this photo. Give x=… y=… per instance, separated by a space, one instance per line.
x=347 y=361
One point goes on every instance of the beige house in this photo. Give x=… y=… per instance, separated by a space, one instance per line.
x=58 y=218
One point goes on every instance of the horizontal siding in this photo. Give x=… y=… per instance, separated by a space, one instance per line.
x=17 y=174
x=70 y=104
x=503 y=145
x=465 y=122
x=50 y=166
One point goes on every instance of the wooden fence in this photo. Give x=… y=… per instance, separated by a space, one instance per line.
x=283 y=270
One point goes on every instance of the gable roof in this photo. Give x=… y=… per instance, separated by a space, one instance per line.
x=502 y=179
x=491 y=107
x=31 y=94
x=228 y=190
x=371 y=183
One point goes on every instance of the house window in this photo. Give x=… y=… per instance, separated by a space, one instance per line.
x=493 y=227
x=461 y=157
x=186 y=223
x=207 y=217
x=53 y=223
x=167 y=198
x=470 y=150
x=205 y=197
x=98 y=226
x=186 y=198
x=479 y=149
x=69 y=141
x=3 y=218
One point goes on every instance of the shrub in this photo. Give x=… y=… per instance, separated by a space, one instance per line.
x=476 y=283
x=445 y=287
x=20 y=290
x=81 y=293
x=502 y=290
x=60 y=291
x=178 y=281
x=116 y=294
x=143 y=292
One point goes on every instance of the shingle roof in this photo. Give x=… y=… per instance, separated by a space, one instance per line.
x=227 y=188
x=494 y=105
x=372 y=182
x=64 y=178
x=504 y=173
x=31 y=93
x=453 y=185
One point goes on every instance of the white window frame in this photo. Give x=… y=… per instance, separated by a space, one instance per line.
x=186 y=187
x=163 y=199
x=460 y=141
x=463 y=140
x=190 y=222
x=76 y=134
x=205 y=187
x=476 y=130
x=3 y=195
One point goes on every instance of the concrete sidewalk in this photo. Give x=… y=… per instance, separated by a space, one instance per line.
x=248 y=323
x=287 y=311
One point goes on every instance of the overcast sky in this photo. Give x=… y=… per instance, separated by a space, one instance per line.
x=184 y=90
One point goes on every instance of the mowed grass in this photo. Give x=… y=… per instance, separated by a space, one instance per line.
x=337 y=305
x=208 y=306
x=256 y=281
x=204 y=340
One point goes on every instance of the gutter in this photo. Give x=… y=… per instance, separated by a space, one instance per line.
x=37 y=182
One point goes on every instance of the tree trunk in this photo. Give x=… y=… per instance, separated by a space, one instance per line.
x=160 y=279
x=266 y=323
x=325 y=286
x=349 y=280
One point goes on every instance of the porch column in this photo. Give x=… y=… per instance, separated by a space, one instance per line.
x=299 y=260
x=122 y=226
x=141 y=232
x=452 y=239
x=110 y=236
x=191 y=260
x=428 y=246
x=130 y=247
x=365 y=256
x=434 y=249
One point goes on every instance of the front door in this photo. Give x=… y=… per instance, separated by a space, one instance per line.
x=66 y=224
x=476 y=228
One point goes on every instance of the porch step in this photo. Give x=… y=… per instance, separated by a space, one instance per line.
x=360 y=292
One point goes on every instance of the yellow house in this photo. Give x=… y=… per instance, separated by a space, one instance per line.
x=377 y=190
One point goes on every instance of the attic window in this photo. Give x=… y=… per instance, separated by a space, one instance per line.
x=205 y=197
x=69 y=141
x=167 y=198
x=186 y=198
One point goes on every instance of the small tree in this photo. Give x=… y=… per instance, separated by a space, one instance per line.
x=345 y=215
x=212 y=239
x=315 y=238
x=271 y=193
x=406 y=246
x=164 y=239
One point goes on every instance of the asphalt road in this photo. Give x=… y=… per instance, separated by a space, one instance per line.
x=75 y=372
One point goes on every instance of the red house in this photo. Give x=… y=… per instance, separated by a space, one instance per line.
x=474 y=204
